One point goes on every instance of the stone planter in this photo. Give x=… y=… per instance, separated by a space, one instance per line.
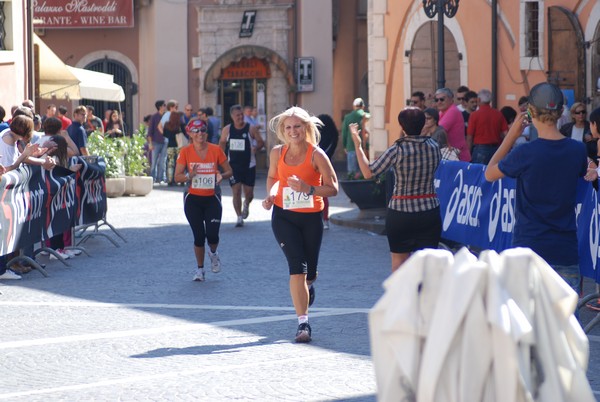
x=138 y=185
x=115 y=186
x=366 y=194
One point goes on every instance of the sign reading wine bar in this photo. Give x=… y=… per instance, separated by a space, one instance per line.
x=83 y=13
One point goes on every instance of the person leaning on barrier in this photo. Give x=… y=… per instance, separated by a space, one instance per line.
x=60 y=155
x=21 y=128
x=547 y=172
x=413 y=219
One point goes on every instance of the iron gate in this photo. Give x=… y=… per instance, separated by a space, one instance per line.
x=122 y=76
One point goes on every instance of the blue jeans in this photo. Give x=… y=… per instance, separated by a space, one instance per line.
x=352 y=162
x=483 y=153
x=159 y=161
x=571 y=275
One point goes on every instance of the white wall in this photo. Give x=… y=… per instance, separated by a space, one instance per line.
x=12 y=62
x=163 y=53
x=316 y=41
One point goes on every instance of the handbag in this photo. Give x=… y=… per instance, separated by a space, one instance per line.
x=182 y=140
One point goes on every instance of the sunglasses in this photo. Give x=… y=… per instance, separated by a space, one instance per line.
x=580 y=112
x=198 y=130
x=439 y=99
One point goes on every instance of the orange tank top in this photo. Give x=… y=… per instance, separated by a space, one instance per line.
x=286 y=198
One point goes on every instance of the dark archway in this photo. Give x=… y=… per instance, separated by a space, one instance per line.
x=423 y=60
x=122 y=76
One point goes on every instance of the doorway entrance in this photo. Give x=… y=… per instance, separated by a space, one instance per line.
x=240 y=92
x=244 y=83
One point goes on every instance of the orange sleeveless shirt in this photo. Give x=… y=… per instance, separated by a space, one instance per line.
x=304 y=171
x=209 y=166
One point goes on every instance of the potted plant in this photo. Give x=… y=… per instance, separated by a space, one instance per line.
x=112 y=150
x=366 y=193
x=137 y=180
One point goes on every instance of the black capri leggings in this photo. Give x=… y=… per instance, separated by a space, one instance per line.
x=204 y=215
x=299 y=235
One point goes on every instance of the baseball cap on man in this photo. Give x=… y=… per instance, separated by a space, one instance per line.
x=358 y=102
x=196 y=126
x=546 y=96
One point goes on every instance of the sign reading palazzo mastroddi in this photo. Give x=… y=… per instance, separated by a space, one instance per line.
x=83 y=13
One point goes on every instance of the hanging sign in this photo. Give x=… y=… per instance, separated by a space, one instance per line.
x=246 y=69
x=305 y=74
x=247 y=24
x=69 y=14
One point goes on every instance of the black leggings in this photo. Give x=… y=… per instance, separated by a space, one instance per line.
x=299 y=235
x=204 y=215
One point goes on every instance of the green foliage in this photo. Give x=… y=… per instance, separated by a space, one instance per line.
x=124 y=156
x=112 y=150
x=136 y=163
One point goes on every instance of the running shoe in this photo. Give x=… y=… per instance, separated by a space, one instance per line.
x=199 y=276
x=326 y=224
x=240 y=222
x=10 y=275
x=311 y=295
x=245 y=211
x=61 y=253
x=215 y=261
x=73 y=251
x=303 y=335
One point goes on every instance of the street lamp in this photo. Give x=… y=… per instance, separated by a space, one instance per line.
x=440 y=7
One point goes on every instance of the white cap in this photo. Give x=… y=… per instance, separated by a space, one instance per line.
x=358 y=102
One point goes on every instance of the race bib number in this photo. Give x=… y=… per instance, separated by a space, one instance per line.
x=237 y=144
x=295 y=200
x=203 y=181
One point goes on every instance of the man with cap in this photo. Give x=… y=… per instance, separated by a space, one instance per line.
x=547 y=171
x=355 y=116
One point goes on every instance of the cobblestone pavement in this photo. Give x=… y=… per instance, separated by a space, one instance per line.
x=129 y=324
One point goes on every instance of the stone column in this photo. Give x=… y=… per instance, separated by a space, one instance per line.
x=377 y=50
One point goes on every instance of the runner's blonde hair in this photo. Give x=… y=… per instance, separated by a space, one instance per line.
x=276 y=124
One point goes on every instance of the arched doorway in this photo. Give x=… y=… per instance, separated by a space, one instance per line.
x=566 y=53
x=595 y=54
x=423 y=60
x=278 y=94
x=122 y=76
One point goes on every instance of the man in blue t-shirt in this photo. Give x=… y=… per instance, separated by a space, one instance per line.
x=547 y=171
x=77 y=131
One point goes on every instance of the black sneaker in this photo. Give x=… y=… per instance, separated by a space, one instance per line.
x=303 y=333
x=311 y=295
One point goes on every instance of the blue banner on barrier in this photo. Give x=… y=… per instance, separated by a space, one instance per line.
x=482 y=214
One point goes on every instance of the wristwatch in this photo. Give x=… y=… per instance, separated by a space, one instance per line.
x=311 y=191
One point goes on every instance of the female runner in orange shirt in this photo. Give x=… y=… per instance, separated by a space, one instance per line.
x=202 y=204
x=300 y=175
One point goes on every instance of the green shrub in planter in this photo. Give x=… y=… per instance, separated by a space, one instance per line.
x=112 y=150
x=136 y=163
